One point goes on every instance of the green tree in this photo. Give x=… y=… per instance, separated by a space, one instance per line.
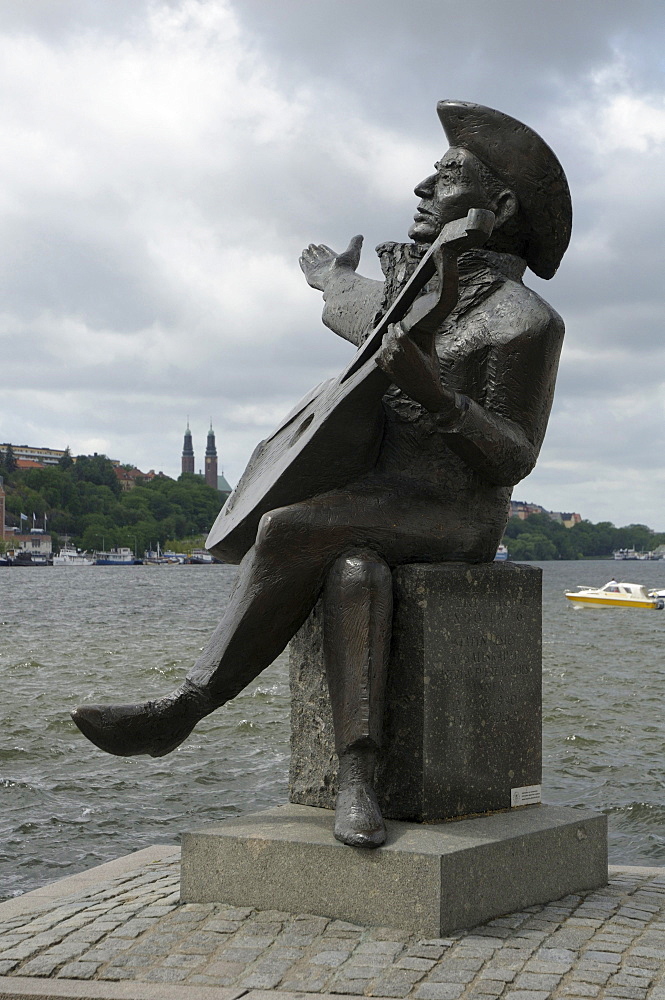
x=10 y=463
x=66 y=461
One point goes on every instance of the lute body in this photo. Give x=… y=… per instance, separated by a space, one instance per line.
x=334 y=434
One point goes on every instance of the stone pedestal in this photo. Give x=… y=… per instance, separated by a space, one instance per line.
x=430 y=879
x=463 y=706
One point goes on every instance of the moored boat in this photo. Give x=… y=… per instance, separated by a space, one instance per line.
x=616 y=595
x=121 y=556
x=501 y=554
x=69 y=556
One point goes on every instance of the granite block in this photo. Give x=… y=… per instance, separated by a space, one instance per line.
x=462 y=725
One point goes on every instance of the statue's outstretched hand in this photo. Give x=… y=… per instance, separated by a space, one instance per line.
x=319 y=263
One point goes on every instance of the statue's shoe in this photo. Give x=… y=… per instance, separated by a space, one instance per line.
x=151 y=727
x=358 y=819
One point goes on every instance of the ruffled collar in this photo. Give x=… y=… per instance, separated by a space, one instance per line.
x=481 y=272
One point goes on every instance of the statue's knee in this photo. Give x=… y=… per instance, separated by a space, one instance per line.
x=358 y=572
x=272 y=528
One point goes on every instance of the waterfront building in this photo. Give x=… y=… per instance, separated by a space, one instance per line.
x=2 y=511
x=37 y=543
x=187 y=452
x=211 y=460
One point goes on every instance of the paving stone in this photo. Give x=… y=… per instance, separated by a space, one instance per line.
x=610 y=957
x=242 y=955
x=487 y=988
x=222 y=926
x=646 y=952
x=625 y=979
x=581 y=990
x=425 y=951
x=392 y=985
x=78 y=970
x=360 y=972
x=626 y=992
x=530 y=981
x=456 y=964
x=260 y=980
x=408 y=962
x=200 y=943
x=348 y=986
x=330 y=959
x=115 y=974
x=305 y=980
x=497 y=974
x=180 y=961
x=441 y=975
x=368 y=960
x=600 y=975
x=67 y=950
x=527 y=995
x=438 y=991
x=570 y=937
x=6 y=965
x=162 y=975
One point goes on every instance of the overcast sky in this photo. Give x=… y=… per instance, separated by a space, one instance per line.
x=163 y=164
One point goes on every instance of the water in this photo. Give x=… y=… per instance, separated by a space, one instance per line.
x=70 y=635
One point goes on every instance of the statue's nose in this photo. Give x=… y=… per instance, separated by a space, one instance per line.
x=424 y=189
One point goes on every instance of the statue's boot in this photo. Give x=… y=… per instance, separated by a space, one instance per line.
x=150 y=727
x=358 y=819
x=357 y=623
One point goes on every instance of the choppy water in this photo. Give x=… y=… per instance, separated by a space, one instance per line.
x=121 y=634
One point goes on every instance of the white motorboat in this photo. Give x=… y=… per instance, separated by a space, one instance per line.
x=616 y=595
x=69 y=556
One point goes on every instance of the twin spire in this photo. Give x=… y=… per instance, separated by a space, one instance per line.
x=210 y=456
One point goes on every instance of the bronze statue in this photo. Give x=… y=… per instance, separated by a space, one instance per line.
x=409 y=456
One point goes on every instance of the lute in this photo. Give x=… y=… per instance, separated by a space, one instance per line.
x=334 y=434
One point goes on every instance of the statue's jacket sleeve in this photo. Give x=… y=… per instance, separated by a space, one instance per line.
x=498 y=350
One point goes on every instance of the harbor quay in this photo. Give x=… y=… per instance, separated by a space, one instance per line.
x=120 y=932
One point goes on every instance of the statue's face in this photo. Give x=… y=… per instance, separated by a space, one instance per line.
x=448 y=194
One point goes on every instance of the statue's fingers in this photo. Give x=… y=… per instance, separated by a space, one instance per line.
x=351 y=255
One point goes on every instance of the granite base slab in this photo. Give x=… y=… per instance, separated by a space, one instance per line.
x=428 y=878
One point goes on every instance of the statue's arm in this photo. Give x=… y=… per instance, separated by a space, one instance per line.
x=351 y=302
x=501 y=439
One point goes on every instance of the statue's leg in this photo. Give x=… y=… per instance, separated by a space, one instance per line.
x=279 y=581
x=357 y=621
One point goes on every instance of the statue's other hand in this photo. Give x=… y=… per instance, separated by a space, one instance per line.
x=415 y=371
x=319 y=262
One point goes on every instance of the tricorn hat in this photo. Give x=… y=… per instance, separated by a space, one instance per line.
x=519 y=157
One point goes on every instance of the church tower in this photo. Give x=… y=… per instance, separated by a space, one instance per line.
x=188 y=452
x=211 y=459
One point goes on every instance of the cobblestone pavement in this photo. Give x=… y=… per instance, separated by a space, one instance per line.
x=606 y=943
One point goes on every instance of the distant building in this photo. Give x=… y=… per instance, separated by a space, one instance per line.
x=187 y=452
x=129 y=476
x=2 y=511
x=39 y=458
x=34 y=457
x=211 y=460
x=523 y=510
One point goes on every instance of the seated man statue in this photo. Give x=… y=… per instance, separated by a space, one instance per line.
x=463 y=423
